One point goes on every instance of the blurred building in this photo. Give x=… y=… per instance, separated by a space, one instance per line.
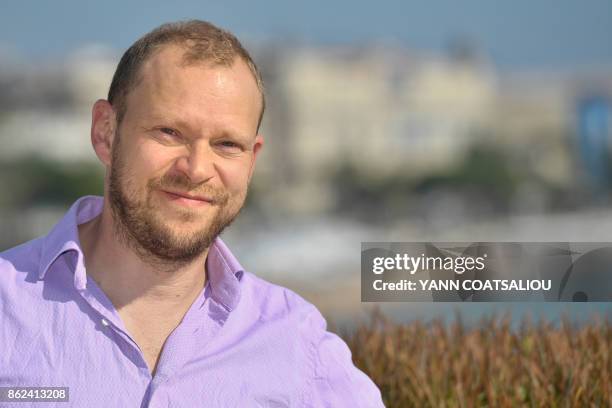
x=46 y=108
x=380 y=111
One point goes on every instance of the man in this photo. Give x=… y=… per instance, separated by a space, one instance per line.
x=132 y=300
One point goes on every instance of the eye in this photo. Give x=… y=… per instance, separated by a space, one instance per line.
x=167 y=135
x=169 y=131
x=230 y=146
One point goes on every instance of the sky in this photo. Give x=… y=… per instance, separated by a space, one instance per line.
x=517 y=33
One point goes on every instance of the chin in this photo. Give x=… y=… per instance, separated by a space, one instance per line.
x=185 y=228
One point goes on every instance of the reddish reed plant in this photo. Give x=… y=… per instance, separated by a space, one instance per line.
x=489 y=364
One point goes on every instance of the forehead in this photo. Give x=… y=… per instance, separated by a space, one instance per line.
x=166 y=82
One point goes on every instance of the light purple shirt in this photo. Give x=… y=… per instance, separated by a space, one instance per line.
x=244 y=342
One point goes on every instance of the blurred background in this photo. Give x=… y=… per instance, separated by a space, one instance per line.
x=386 y=121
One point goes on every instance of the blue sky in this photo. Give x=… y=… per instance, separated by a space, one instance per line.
x=518 y=33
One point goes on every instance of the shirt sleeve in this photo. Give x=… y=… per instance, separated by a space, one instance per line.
x=337 y=382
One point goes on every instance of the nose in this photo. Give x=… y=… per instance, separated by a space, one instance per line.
x=198 y=164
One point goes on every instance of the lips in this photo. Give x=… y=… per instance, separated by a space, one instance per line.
x=177 y=195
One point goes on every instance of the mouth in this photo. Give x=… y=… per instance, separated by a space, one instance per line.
x=186 y=199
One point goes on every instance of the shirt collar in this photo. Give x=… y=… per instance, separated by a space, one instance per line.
x=64 y=237
x=224 y=274
x=224 y=270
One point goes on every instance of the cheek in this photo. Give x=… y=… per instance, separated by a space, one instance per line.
x=234 y=176
x=150 y=163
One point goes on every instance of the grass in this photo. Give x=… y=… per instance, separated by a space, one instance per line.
x=490 y=364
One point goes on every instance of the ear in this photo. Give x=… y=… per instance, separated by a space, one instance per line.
x=103 y=125
x=256 y=148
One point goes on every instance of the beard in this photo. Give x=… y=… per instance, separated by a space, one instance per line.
x=141 y=226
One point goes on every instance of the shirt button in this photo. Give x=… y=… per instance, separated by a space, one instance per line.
x=105 y=322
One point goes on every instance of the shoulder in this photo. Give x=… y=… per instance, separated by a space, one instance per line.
x=21 y=258
x=333 y=380
x=19 y=272
x=283 y=311
x=273 y=301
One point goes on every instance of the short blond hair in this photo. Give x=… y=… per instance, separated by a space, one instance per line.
x=203 y=42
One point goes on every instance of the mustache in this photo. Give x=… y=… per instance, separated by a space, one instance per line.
x=183 y=184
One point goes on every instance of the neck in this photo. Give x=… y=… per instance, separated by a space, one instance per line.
x=127 y=279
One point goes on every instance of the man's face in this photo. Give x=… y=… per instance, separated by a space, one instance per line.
x=183 y=154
